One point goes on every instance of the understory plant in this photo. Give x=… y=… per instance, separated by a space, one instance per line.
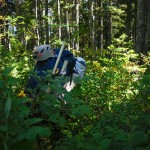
x=108 y=108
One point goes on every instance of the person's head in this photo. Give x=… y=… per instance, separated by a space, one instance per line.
x=42 y=52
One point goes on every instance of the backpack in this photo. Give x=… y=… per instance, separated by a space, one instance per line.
x=78 y=71
x=80 y=66
x=68 y=56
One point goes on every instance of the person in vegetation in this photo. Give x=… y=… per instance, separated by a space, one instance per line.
x=46 y=58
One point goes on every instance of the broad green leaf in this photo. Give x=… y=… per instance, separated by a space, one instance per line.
x=3 y=128
x=105 y=144
x=138 y=138
x=13 y=80
x=30 y=122
x=23 y=100
x=62 y=122
x=1 y=84
x=21 y=136
x=7 y=71
x=76 y=90
x=81 y=109
x=54 y=117
x=35 y=131
x=97 y=136
x=7 y=107
x=120 y=135
x=24 y=111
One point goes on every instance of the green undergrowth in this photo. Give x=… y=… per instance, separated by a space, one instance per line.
x=108 y=110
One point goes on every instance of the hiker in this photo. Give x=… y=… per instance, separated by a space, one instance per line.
x=46 y=58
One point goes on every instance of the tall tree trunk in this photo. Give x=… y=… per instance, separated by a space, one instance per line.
x=41 y=22
x=37 y=28
x=147 y=36
x=141 y=26
x=46 y=22
x=99 y=25
x=129 y=19
x=67 y=36
x=91 y=24
x=59 y=20
x=77 y=24
x=109 y=26
x=134 y=23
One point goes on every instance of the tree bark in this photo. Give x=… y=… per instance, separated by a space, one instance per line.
x=59 y=20
x=128 y=19
x=91 y=24
x=100 y=25
x=41 y=21
x=37 y=27
x=67 y=25
x=46 y=22
x=109 y=26
x=141 y=26
x=77 y=24
x=147 y=36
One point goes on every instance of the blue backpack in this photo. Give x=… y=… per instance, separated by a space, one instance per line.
x=43 y=67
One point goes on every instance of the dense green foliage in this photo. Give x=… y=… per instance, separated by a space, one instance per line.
x=108 y=109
